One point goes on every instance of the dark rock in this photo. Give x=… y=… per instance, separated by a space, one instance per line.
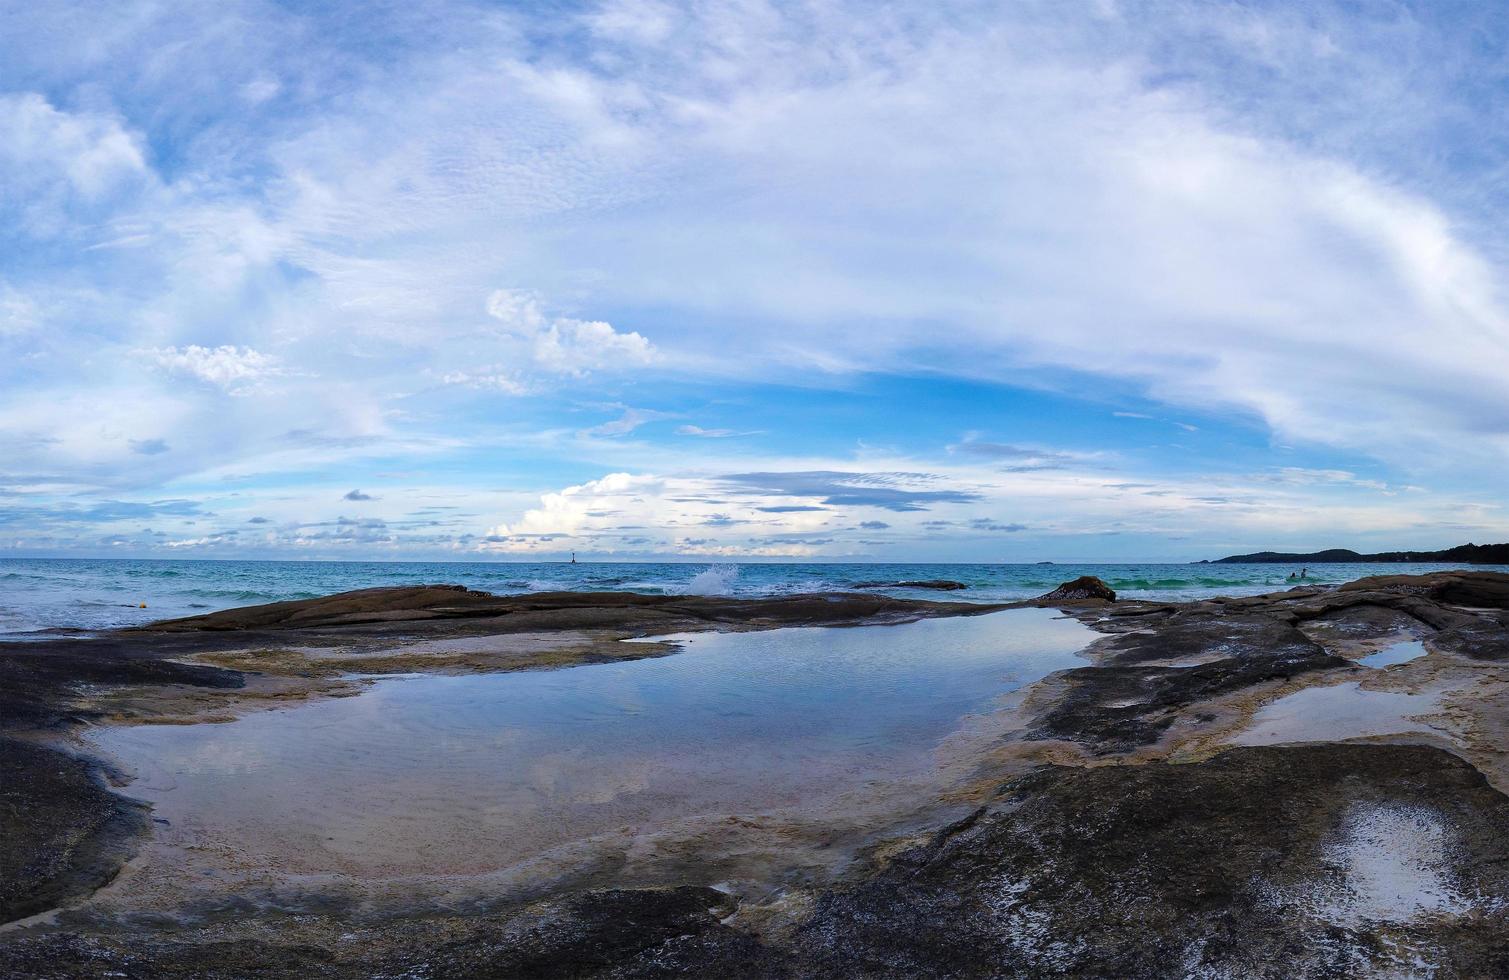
x=62 y=833
x=1146 y=870
x=1484 y=639
x=558 y=610
x=35 y=678
x=1160 y=870
x=1118 y=709
x=1189 y=636
x=620 y=933
x=1084 y=587
x=1481 y=590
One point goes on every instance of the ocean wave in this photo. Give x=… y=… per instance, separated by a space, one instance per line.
x=1134 y=584
x=716 y=580
x=247 y=595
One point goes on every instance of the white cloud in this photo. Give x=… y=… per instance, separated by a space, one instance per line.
x=491 y=379
x=562 y=345
x=809 y=511
x=570 y=510
x=1234 y=209
x=517 y=309
x=39 y=142
x=631 y=419
x=236 y=369
x=578 y=346
x=19 y=313
x=637 y=21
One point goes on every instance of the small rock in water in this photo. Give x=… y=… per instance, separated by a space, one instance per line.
x=1084 y=587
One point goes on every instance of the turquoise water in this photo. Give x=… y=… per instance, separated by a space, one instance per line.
x=91 y=594
x=477 y=773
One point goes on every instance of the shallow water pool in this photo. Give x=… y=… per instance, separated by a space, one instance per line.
x=461 y=775
x=1395 y=653
x=1337 y=713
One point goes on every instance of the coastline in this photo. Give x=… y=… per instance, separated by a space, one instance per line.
x=1164 y=713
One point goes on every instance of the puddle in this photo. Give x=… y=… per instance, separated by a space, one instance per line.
x=1398 y=653
x=1336 y=713
x=467 y=775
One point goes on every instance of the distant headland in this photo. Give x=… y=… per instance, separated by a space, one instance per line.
x=1477 y=554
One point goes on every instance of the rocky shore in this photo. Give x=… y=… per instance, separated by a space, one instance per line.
x=1227 y=788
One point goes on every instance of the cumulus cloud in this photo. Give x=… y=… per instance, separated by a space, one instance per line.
x=39 y=143
x=570 y=509
x=750 y=514
x=577 y=346
x=357 y=495
x=236 y=369
x=563 y=345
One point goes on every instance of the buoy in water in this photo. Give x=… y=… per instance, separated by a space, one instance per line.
x=142 y=606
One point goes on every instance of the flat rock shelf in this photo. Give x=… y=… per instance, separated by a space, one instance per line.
x=434 y=782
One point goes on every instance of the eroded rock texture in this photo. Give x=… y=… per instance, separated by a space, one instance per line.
x=1152 y=849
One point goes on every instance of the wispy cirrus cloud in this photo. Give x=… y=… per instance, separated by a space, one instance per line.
x=628 y=421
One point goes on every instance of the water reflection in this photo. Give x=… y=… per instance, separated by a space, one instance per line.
x=465 y=774
x=1395 y=653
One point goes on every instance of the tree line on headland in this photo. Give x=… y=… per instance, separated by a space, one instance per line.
x=1476 y=554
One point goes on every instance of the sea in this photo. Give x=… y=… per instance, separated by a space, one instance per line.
x=42 y=598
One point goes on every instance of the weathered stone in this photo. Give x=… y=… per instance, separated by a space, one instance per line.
x=1262 y=862
x=1084 y=587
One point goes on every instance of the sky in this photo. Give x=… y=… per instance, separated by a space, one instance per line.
x=745 y=280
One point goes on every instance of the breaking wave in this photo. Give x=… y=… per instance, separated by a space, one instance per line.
x=717 y=580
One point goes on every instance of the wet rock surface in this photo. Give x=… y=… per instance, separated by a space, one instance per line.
x=1315 y=861
x=1244 y=864
x=1121 y=835
x=1117 y=709
x=63 y=830
x=1164 y=664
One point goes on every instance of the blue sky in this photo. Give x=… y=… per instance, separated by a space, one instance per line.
x=996 y=282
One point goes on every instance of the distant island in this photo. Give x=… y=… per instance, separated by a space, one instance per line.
x=1477 y=554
